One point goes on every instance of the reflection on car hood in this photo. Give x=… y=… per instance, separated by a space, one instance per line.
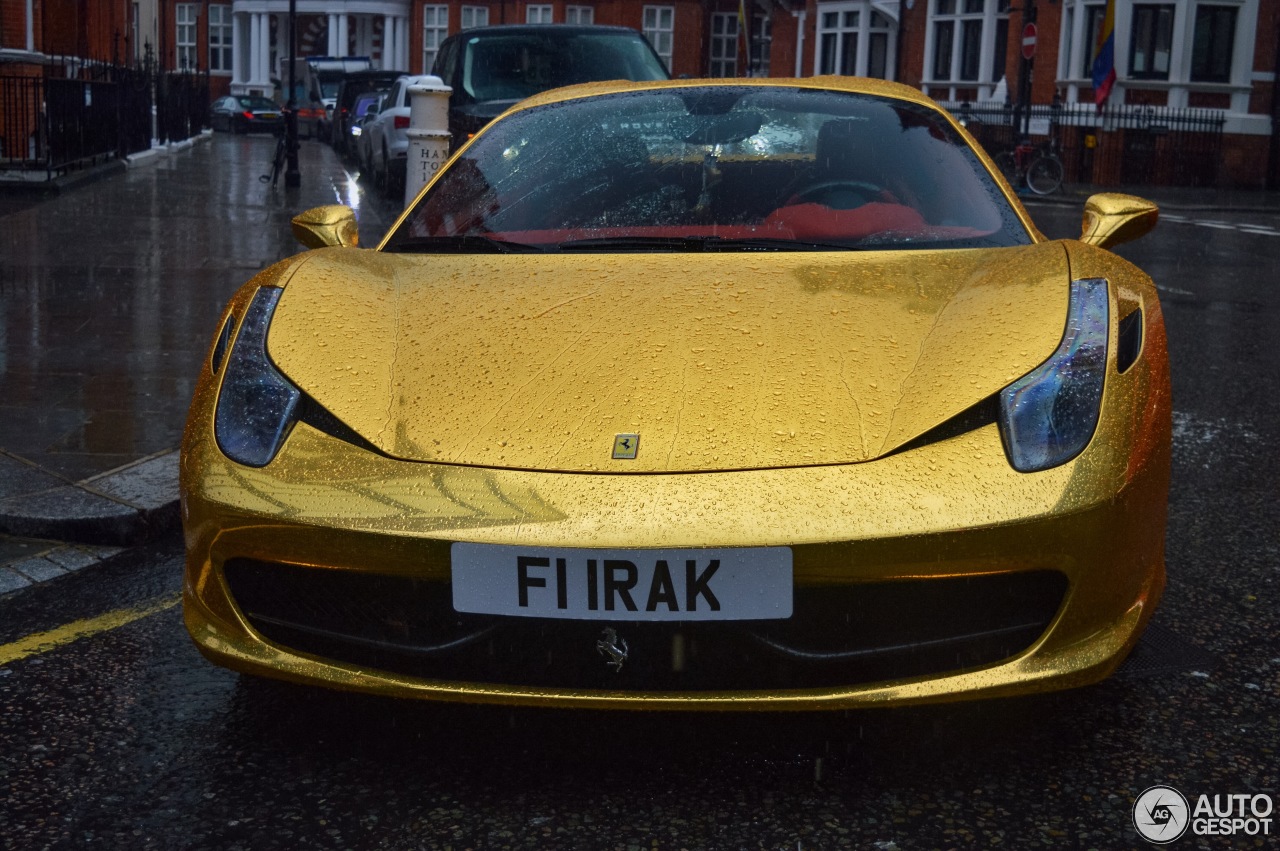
x=726 y=361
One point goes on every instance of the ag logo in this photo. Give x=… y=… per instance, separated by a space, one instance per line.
x=1161 y=814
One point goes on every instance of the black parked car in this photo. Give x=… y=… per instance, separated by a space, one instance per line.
x=246 y=113
x=353 y=85
x=490 y=68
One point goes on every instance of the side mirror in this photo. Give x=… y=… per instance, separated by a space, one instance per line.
x=1111 y=218
x=333 y=225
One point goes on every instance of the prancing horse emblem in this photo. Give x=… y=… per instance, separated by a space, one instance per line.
x=613 y=647
x=625 y=446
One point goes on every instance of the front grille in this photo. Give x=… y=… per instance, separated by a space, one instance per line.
x=837 y=635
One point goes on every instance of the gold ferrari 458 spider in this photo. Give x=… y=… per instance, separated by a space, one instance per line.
x=747 y=394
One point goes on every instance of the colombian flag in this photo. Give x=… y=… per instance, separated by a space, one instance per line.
x=1104 y=56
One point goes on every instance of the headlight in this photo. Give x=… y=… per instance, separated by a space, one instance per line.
x=256 y=405
x=1048 y=416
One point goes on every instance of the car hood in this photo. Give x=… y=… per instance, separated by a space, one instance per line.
x=717 y=361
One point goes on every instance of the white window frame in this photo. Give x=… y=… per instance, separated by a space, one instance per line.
x=861 y=31
x=1074 y=53
x=475 y=16
x=540 y=13
x=435 y=27
x=723 y=47
x=989 y=18
x=220 y=39
x=660 y=29
x=580 y=15
x=185 y=33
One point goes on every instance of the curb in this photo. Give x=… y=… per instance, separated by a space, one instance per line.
x=122 y=507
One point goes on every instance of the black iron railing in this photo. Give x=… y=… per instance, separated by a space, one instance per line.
x=1118 y=145
x=73 y=113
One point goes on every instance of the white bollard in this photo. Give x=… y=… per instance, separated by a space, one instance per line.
x=428 y=134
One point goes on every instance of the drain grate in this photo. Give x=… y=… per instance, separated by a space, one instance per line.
x=1162 y=651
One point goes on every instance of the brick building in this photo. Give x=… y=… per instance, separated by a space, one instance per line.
x=1169 y=54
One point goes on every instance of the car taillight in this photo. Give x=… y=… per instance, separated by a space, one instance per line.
x=248 y=115
x=402 y=122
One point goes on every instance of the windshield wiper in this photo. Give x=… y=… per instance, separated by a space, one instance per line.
x=463 y=244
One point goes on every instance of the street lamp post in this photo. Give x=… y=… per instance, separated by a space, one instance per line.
x=292 y=177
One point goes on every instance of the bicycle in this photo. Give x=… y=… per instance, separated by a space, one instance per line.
x=1036 y=166
x=278 y=162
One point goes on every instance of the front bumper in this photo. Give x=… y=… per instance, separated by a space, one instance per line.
x=944 y=511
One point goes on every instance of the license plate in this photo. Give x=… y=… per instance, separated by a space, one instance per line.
x=268 y=115
x=731 y=583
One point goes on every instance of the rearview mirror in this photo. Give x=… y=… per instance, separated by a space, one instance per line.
x=331 y=226
x=1111 y=218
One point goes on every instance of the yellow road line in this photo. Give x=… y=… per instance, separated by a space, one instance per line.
x=43 y=642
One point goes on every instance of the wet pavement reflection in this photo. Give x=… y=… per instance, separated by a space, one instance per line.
x=109 y=293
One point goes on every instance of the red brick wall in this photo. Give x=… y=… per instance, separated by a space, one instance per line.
x=1244 y=160
x=1264 y=56
x=13 y=24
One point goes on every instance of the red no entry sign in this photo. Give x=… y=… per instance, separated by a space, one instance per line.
x=1028 y=41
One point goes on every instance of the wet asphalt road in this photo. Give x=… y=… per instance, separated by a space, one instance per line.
x=126 y=738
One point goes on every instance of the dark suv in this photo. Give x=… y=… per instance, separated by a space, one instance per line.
x=491 y=68
x=352 y=86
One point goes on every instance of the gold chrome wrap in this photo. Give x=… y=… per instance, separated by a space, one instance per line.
x=945 y=508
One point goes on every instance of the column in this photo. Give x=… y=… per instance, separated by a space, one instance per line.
x=402 y=42
x=331 y=34
x=264 y=53
x=255 y=46
x=344 y=37
x=237 y=49
x=388 y=43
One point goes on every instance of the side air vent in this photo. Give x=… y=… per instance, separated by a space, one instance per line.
x=1130 y=345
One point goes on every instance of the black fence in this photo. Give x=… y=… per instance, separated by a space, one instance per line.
x=72 y=115
x=1119 y=145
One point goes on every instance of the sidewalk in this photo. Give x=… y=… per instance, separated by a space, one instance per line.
x=110 y=291
x=1173 y=198
x=109 y=294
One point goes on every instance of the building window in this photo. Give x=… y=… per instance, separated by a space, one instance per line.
x=581 y=15
x=724 y=45
x=963 y=31
x=219 y=38
x=475 y=16
x=1214 y=45
x=1151 y=41
x=761 y=44
x=659 y=28
x=435 y=26
x=186 y=36
x=838 y=41
x=855 y=39
x=1093 y=18
x=539 y=14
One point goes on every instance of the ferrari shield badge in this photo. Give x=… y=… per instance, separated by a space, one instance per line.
x=625 y=446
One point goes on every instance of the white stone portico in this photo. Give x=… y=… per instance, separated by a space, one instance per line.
x=378 y=29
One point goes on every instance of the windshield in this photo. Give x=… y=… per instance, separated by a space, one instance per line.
x=250 y=102
x=515 y=66
x=715 y=168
